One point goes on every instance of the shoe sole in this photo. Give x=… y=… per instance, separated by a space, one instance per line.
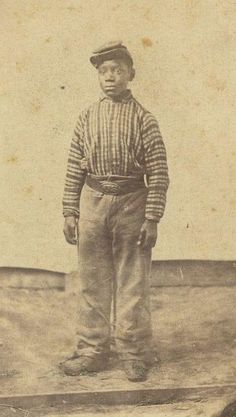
x=137 y=379
x=83 y=371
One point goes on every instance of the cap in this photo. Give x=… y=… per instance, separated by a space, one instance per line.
x=110 y=50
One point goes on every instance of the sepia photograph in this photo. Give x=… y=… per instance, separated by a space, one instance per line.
x=118 y=208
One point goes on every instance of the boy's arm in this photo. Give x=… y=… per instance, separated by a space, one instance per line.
x=156 y=168
x=157 y=179
x=75 y=177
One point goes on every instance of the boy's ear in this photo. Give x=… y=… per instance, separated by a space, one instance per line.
x=132 y=74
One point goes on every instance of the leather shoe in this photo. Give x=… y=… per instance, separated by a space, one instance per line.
x=82 y=365
x=135 y=370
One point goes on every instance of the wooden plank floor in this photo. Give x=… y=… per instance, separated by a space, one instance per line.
x=194 y=339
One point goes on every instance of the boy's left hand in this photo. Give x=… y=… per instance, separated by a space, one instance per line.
x=148 y=235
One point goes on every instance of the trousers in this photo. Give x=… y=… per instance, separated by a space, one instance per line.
x=110 y=259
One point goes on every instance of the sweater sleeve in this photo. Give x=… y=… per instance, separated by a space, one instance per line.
x=76 y=173
x=156 y=168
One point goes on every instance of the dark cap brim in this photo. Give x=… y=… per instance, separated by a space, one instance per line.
x=119 y=53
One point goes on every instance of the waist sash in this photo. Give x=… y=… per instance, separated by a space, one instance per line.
x=115 y=184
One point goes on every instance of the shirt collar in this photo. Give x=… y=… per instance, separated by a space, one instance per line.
x=124 y=97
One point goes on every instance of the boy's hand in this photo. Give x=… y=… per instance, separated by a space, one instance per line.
x=148 y=235
x=69 y=230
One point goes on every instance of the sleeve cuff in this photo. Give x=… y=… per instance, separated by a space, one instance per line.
x=153 y=219
x=70 y=214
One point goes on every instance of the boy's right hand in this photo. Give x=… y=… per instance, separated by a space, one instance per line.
x=70 y=230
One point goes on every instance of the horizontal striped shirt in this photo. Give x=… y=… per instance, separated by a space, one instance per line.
x=117 y=137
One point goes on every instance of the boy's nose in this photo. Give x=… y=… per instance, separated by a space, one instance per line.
x=110 y=76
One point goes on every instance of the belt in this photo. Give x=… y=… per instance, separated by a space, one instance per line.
x=115 y=184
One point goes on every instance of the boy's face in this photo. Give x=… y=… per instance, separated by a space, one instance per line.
x=114 y=76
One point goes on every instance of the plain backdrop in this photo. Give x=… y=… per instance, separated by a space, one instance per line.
x=184 y=53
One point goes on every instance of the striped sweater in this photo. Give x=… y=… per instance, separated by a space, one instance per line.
x=117 y=137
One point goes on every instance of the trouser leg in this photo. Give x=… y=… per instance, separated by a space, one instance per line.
x=95 y=276
x=132 y=268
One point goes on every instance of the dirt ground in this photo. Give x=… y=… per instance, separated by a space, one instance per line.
x=211 y=407
x=194 y=337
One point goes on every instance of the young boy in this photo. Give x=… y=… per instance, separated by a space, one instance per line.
x=113 y=216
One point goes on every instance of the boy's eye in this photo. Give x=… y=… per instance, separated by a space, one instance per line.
x=103 y=71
